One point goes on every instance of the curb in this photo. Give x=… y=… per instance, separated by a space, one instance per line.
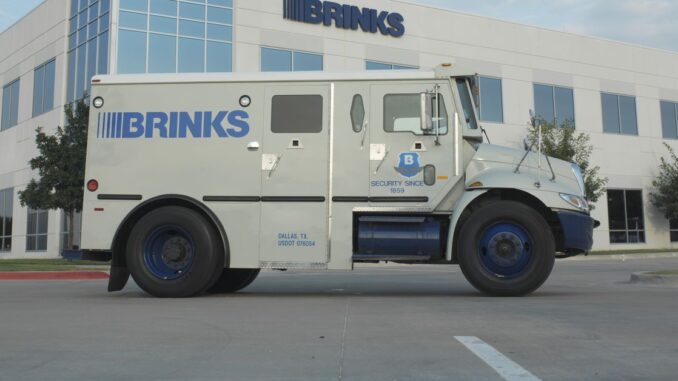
x=53 y=275
x=622 y=257
x=649 y=278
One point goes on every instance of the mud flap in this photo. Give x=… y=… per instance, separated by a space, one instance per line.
x=119 y=274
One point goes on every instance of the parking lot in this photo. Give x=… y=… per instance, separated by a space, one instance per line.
x=377 y=323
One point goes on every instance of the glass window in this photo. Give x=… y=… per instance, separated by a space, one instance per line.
x=191 y=55
x=81 y=67
x=467 y=104
x=91 y=63
x=673 y=225
x=164 y=7
x=491 y=103
x=554 y=104
x=299 y=114
x=276 y=60
x=357 y=113
x=162 y=53
x=134 y=5
x=219 y=32
x=43 y=88
x=619 y=114
x=6 y=211
x=669 y=112
x=133 y=20
x=131 y=52
x=103 y=53
x=220 y=15
x=70 y=88
x=36 y=230
x=402 y=113
x=163 y=24
x=66 y=228
x=105 y=6
x=219 y=57
x=192 y=11
x=10 y=105
x=223 y=3
x=191 y=28
x=625 y=215
x=374 y=65
x=307 y=62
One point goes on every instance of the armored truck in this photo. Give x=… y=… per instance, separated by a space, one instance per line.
x=196 y=182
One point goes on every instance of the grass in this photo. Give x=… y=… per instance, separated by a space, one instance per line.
x=626 y=252
x=46 y=265
x=669 y=272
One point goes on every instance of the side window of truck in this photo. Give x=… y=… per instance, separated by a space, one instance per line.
x=357 y=113
x=297 y=114
x=402 y=113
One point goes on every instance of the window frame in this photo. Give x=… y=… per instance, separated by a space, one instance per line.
x=13 y=109
x=628 y=231
x=322 y=114
x=6 y=199
x=433 y=133
x=555 y=102
x=292 y=52
x=479 y=104
x=364 y=113
x=33 y=232
x=43 y=94
x=393 y=66
x=675 y=116
x=619 y=113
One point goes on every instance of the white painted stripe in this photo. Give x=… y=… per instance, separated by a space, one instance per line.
x=507 y=369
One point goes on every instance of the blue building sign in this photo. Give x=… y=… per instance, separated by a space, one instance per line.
x=344 y=16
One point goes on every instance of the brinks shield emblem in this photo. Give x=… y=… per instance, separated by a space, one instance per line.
x=408 y=164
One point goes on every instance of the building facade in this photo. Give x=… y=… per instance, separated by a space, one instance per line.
x=625 y=97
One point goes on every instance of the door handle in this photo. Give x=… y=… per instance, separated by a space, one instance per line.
x=253 y=146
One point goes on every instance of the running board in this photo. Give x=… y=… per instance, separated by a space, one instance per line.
x=391 y=258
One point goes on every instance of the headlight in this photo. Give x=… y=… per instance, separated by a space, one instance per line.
x=580 y=178
x=576 y=201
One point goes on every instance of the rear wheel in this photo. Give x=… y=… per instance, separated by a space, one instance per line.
x=174 y=252
x=233 y=280
x=506 y=249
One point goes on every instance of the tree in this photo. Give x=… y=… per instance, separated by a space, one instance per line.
x=61 y=167
x=665 y=196
x=566 y=144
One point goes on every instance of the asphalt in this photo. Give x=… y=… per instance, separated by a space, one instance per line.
x=588 y=322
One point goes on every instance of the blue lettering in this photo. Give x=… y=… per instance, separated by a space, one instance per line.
x=193 y=125
x=360 y=18
x=397 y=27
x=237 y=119
x=132 y=125
x=156 y=120
x=215 y=124
x=313 y=12
x=331 y=12
x=173 y=129
x=381 y=23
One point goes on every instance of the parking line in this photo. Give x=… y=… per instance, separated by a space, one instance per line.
x=507 y=369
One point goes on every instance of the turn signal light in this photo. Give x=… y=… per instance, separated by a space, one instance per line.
x=92 y=185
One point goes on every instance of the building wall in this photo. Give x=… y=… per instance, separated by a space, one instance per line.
x=520 y=55
x=34 y=40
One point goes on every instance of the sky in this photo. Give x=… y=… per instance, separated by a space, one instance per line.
x=643 y=22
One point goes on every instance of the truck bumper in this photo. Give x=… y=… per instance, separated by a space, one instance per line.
x=577 y=231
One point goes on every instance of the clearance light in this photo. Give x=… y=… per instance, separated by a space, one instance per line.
x=98 y=102
x=92 y=185
x=245 y=101
x=477 y=184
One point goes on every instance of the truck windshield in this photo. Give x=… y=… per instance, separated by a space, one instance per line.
x=467 y=103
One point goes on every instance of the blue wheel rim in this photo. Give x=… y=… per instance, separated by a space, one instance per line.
x=169 y=252
x=505 y=250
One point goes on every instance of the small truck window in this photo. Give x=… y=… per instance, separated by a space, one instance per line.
x=297 y=114
x=357 y=113
x=402 y=113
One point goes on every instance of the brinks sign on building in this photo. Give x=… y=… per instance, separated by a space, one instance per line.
x=344 y=16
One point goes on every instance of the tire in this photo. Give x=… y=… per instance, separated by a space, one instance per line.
x=174 y=252
x=506 y=248
x=233 y=280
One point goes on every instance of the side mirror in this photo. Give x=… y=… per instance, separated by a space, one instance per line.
x=426 y=112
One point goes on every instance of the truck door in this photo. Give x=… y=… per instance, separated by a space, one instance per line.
x=295 y=166
x=410 y=167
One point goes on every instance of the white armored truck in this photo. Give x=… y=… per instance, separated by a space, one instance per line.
x=197 y=182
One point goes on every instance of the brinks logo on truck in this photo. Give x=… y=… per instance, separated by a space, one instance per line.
x=173 y=125
x=408 y=164
x=344 y=16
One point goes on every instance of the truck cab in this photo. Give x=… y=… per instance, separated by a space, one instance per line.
x=197 y=182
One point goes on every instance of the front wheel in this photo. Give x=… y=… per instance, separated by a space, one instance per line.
x=174 y=252
x=506 y=249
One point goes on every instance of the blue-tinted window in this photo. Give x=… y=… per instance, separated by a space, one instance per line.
x=133 y=20
x=669 y=112
x=163 y=24
x=223 y=3
x=131 y=52
x=6 y=212
x=307 y=62
x=43 y=88
x=276 y=59
x=220 y=15
x=619 y=114
x=103 y=53
x=374 y=65
x=491 y=102
x=74 y=7
x=191 y=11
x=91 y=63
x=134 y=5
x=554 y=104
x=70 y=86
x=164 y=7
x=219 y=32
x=162 y=53
x=219 y=57
x=191 y=55
x=191 y=28
x=288 y=60
x=10 y=105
